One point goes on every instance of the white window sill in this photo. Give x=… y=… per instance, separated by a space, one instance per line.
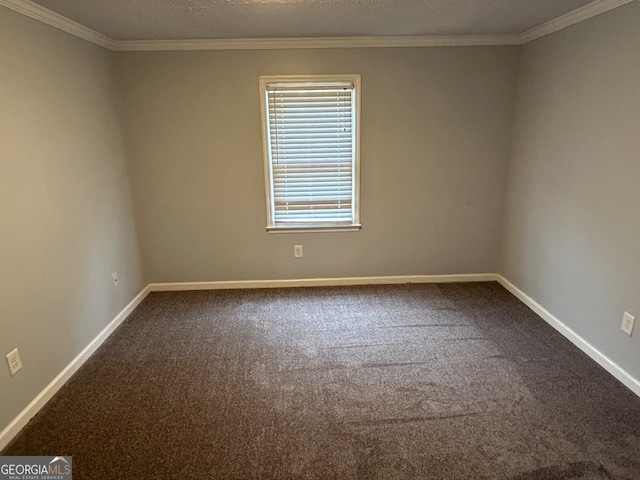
x=315 y=229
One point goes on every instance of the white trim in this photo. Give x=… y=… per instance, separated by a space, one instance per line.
x=318 y=42
x=605 y=362
x=48 y=17
x=49 y=391
x=576 y=16
x=321 y=282
x=44 y=15
x=355 y=227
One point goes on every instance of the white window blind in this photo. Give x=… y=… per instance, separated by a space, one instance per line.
x=311 y=143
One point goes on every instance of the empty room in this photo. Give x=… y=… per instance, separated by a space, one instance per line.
x=278 y=239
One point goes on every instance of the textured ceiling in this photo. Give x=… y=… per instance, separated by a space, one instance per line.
x=241 y=19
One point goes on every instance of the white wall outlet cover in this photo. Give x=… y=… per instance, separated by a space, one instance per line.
x=297 y=251
x=114 y=277
x=13 y=359
x=627 y=323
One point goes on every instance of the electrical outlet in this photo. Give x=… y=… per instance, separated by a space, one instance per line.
x=297 y=251
x=627 y=323
x=114 y=277
x=13 y=359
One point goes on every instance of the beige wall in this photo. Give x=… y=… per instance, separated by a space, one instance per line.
x=436 y=133
x=572 y=224
x=65 y=210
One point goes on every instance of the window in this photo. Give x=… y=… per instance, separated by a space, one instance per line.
x=311 y=129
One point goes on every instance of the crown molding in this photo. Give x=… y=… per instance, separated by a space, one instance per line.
x=46 y=16
x=317 y=42
x=576 y=16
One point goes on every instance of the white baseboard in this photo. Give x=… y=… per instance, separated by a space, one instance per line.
x=11 y=430
x=45 y=395
x=605 y=362
x=322 y=282
x=49 y=391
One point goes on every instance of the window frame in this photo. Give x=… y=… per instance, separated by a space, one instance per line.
x=272 y=227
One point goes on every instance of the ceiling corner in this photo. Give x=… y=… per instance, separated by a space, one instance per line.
x=46 y=16
x=576 y=16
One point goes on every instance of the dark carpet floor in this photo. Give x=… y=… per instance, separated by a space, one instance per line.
x=452 y=381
